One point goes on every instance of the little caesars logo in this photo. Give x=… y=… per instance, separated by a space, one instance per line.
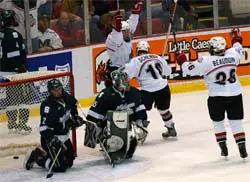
x=183 y=45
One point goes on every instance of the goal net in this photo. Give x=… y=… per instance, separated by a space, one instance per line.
x=20 y=99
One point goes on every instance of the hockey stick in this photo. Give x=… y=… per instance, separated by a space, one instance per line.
x=169 y=27
x=102 y=146
x=50 y=173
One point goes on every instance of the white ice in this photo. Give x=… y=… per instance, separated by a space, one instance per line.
x=194 y=157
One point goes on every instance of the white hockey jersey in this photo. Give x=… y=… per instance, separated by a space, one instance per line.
x=150 y=70
x=49 y=39
x=118 y=50
x=219 y=71
x=18 y=8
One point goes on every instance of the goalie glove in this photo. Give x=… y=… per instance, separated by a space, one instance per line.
x=236 y=36
x=141 y=132
x=137 y=7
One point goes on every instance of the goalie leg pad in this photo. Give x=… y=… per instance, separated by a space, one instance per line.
x=117 y=135
x=90 y=138
x=132 y=147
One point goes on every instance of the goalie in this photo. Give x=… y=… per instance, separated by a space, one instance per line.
x=118 y=111
x=58 y=116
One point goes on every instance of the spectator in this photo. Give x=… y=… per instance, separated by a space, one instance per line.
x=167 y=7
x=64 y=28
x=48 y=38
x=100 y=7
x=75 y=8
x=18 y=7
x=46 y=9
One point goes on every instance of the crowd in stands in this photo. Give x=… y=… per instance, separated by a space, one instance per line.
x=63 y=20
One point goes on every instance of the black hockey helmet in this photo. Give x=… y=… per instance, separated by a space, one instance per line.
x=120 y=80
x=54 y=83
x=7 y=18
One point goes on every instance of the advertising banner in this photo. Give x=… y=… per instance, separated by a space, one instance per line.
x=58 y=62
x=193 y=45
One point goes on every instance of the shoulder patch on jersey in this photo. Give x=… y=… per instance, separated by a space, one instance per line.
x=46 y=109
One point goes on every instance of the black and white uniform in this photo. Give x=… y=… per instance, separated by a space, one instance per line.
x=18 y=7
x=12 y=61
x=151 y=71
x=111 y=99
x=12 y=52
x=56 y=121
x=224 y=89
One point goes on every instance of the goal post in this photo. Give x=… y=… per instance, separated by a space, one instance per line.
x=20 y=100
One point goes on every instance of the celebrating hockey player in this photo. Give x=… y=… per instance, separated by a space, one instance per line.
x=58 y=116
x=224 y=89
x=13 y=61
x=152 y=71
x=114 y=111
x=119 y=41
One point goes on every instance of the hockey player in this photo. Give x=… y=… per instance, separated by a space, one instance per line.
x=58 y=116
x=13 y=61
x=116 y=98
x=224 y=89
x=119 y=41
x=152 y=71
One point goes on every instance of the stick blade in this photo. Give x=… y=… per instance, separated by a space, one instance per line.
x=49 y=175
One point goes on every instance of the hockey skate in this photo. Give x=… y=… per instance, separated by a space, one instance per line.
x=24 y=129
x=223 y=148
x=12 y=126
x=242 y=150
x=171 y=132
x=32 y=157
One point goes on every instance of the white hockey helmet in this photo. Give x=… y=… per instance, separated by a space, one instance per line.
x=217 y=45
x=142 y=46
x=125 y=26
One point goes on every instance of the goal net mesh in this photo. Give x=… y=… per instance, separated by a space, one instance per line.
x=20 y=99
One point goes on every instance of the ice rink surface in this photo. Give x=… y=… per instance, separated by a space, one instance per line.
x=194 y=157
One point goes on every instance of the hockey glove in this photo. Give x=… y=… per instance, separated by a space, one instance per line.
x=140 y=128
x=180 y=57
x=137 y=7
x=77 y=121
x=56 y=144
x=117 y=21
x=236 y=36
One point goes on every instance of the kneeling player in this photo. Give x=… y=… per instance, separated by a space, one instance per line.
x=114 y=111
x=58 y=115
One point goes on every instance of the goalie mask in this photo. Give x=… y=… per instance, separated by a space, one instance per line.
x=217 y=46
x=142 y=47
x=126 y=31
x=120 y=80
